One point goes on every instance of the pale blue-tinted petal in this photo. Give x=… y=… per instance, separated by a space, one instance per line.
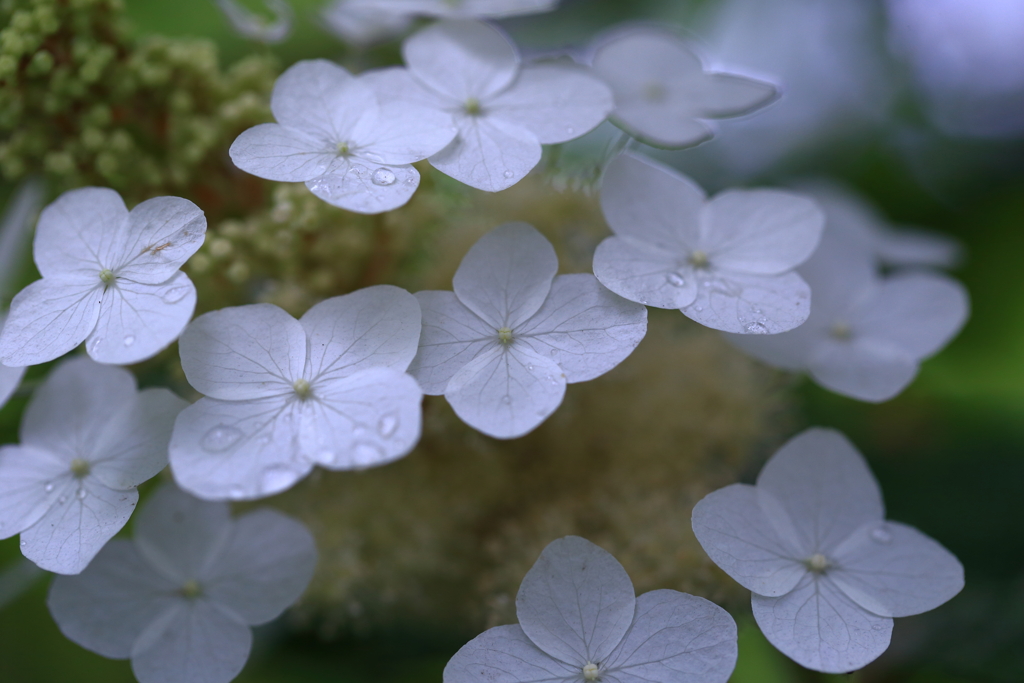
x=675 y=637
x=138 y=321
x=721 y=95
x=894 y=570
x=251 y=25
x=365 y=187
x=263 y=567
x=21 y=210
x=452 y=335
x=820 y=628
x=786 y=351
x=505 y=655
x=31 y=481
x=163 y=233
x=396 y=84
x=197 y=641
x=491 y=9
x=584 y=327
x=275 y=152
x=556 y=102
x=506 y=276
x=362 y=23
x=489 y=153
x=10 y=378
x=750 y=304
x=864 y=369
x=576 y=603
x=243 y=352
x=735 y=532
x=104 y=608
x=825 y=487
x=461 y=59
x=80 y=233
x=322 y=100
x=645 y=273
x=506 y=392
x=403 y=132
x=49 y=318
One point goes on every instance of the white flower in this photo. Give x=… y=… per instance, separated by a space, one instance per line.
x=88 y=438
x=726 y=263
x=579 y=621
x=471 y=72
x=461 y=9
x=350 y=147
x=253 y=26
x=662 y=91
x=179 y=599
x=504 y=344
x=110 y=278
x=866 y=335
x=363 y=23
x=810 y=541
x=284 y=395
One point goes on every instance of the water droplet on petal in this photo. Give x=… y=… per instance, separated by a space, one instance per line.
x=24 y=543
x=570 y=130
x=236 y=492
x=383 y=177
x=508 y=174
x=49 y=488
x=755 y=328
x=506 y=399
x=129 y=340
x=674 y=280
x=220 y=438
x=366 y=454
x=881 y=535
x=276 y=478
x=529 y=367
x=175 y=294
x=94 y=344
x=698 y=308
x=387 y=426
x=82 y=493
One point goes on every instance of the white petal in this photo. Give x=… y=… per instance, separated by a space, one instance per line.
x=825 y=487
x=634 y=58
x=10 y=378
x=505 y=277
x=864 y=369
x=274 y=152
x=181 y=536
x=915 y=247
x=820 y=628
x=916 y=312
x=79 y=231
x=576 y=603
x=197 y=641
x=263 y=568
x=253 y=26
x=237 y=450
x=138 y=321
x=104 y=608
x=73 y=530
x=133 y=446
x=452 y=335
x=461 y=59
x=735 y=532
x=31 y=481
x=403 y=132
x=505 y=655
x=787 y=351
x=506 y=393
x=556 y=102
x=21 y=210
x=584 y=328
x=652 y=203
x=363 y=187
x=362 y=23
x=397 y=85
x=750 y=304
x=243 y=352
x=489 y=153
x=675 y=637
x=720 y=95
x=163 y=233
x=49 y=318
x=361 y=420
x=766 y=232
x=893 y=570
x=660 y=127
x=322 y=100
x=645 y=273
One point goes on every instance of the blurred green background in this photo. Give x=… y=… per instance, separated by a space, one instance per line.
x=949 y=451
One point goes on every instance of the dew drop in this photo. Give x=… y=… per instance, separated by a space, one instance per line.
x=366 y=454
x=529 y=367
x=881 y=535
x=570 y=130
x=220 y=438
x=175 y=294
x=48 y=488
x=276 y=478
x=82 y=493
x=675 y=280
x=755 y=328
x=506 y=399
x=698 y=308
x=383 y=177
x=508 y=174
x=129 y=340
x=94 y=344
x=236 y=492
x=24 y=543
x=387 y=425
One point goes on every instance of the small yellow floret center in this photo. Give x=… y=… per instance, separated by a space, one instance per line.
x=817 y=563
x=191 y=589
x=343 y=149
x=302 y=388
x=590 y=672
x=841 y=331
x=505 y=335
x=472 y=106
x=699 y=259
x=654 y=92
x=107 y=276
x=80 y=468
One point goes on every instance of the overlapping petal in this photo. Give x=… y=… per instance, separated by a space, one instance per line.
x=462 y=59
x=489 y=153
x=321 y=99
x=159 y=236
x=733 y=301
x=452 y=335
x=505 y=654
x=78 y=234
x=275 y=152
x=49 y=318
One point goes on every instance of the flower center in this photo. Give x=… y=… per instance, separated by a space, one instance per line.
x=343 y=149
x=505 y=335
x=841 y=331
x=80 y=468
x=472 y=107
x=191 y=589
x=590 y=671
x=699 y=259
x=817 y=563
x=302 y=388
x=107 y=276
x=654 y=92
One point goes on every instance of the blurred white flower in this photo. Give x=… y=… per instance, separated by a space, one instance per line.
x=352 y=148
x=110 y=278
x=88 y=438
x=253 y=26
x=504 y=344
x=470 y=72
x=363 y=23
x=726 y=263
x=827 y=573
x=284 y=395
x=580 y=621
x=457 y=9
x=179 y=599
x=662 y=90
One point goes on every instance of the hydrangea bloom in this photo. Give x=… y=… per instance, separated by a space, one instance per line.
x=110 y=278
x=471 y=72
x=284 y=395
x=826 y=571
x=726 y=263
x=662 y=91
x=88 y=438
x=352 y=148
x=504 y=344
x=866 y=335
x=463 y=9
x=253 y=26
x=579 y=621
x=179 y=599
